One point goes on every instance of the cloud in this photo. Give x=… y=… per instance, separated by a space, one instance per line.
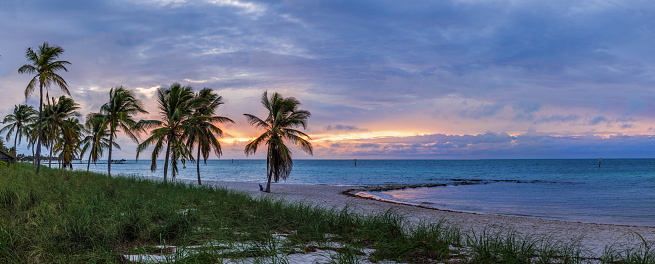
x=492 y=145
x=482 y=111
x=597 y=120
x=558 y=118
x=345 y=128
x=561 y=66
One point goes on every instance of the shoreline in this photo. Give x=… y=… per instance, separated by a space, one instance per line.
x=363 y=193
x=594 y=237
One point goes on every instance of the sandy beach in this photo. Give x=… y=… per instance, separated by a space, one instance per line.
x=593 y=237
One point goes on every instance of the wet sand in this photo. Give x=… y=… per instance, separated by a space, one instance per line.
x=594 y=237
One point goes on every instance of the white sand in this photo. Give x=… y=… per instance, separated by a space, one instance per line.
x=593 y=237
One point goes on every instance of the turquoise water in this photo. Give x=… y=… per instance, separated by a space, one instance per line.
x=620 y=191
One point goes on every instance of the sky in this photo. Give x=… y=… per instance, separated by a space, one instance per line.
x=448 y=79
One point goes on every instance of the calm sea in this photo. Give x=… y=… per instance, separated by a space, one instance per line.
x=620 y=191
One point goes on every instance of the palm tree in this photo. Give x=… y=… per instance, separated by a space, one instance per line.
x=44 y=65
x=19 y=121
x=176 y=104
x=202 y=127
x=68 y=146
x=97 y=138
x=283 y=117
x=61 y=132
x=118 y=114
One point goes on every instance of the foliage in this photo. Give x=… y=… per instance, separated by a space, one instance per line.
x=62 y=130
x=283 y=117
x=202 y=129
x=43 y=65
x=19 y=121
x=96 y=139
x=118 y=115
x=176 y=105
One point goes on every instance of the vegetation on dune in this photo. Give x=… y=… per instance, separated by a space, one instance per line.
x=76 y=216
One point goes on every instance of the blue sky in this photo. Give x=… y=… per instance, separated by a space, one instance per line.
x=445 y=79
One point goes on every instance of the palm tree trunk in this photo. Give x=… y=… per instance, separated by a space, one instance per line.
x=15 y=147
x=168 y=152
x=268 y=171
x=173 y=166
x=50 y=158
x=38 y=140
x=88 y=164
x=198 y=165
x=111 y=141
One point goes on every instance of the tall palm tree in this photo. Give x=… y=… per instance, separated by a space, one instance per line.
x=119 y=114
x=19 y=121
x=96 y=140
x=61 y=133
x=44 y=65
x=202 y=128
x=176 y=104
x=283 y=117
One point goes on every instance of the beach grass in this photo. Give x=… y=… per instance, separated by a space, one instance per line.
x=73 y=216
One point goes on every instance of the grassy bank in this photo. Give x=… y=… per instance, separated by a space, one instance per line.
x=71 y=216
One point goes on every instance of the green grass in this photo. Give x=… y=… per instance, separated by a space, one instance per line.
x=73 y=217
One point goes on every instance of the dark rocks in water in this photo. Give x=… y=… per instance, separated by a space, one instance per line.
x=478 y=181
x=455 y=182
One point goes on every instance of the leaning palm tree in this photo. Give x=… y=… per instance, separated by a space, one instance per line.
x=19 y=121
x=44 y=65
x=96 y=140
x=118 y=114
x=176 y=104
x=283 y=117
x=202 y=128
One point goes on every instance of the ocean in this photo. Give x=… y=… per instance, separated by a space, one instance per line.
x=620 y=191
